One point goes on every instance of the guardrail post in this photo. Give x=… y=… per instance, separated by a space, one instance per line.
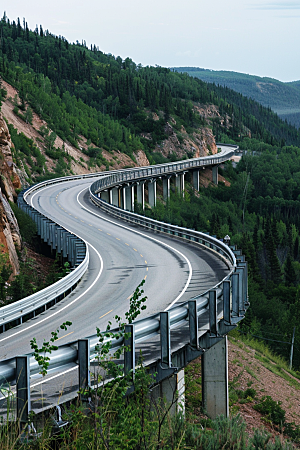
x=193 y=323
x=84 y=363
x=235 y=293
x=165 y=338
x=129 y=355
x=226 y=302
x=240 y=272
x=244 y=265
x=213 y=313
x=23 y=388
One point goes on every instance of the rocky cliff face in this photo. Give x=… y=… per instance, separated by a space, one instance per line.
x=200 y=143
x=10 y=238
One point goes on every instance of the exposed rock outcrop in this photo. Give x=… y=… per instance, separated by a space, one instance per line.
x=9 y=178
x=10 y=238
x=200 y=143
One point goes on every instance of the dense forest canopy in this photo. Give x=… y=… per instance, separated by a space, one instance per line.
x=78 y=90
x=110 y=101
x=283 y=98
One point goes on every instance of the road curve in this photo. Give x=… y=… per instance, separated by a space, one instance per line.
x=120 y=257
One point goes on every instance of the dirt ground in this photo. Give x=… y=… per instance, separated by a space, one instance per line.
x=247 y=368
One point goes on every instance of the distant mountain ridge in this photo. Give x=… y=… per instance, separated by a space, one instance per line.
x=282 y=98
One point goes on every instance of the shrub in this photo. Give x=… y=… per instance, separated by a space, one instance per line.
x=271 y=409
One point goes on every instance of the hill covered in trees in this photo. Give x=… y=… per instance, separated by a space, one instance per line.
x=97 y=111
x=283 y=98
x=103 y=107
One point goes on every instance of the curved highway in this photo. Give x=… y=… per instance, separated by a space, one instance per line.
x=121 y=256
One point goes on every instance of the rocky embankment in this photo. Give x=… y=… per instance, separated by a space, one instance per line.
x=10 y=238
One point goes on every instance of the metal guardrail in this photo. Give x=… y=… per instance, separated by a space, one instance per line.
x=225 y=304
x=115 y=178
x=70 y=246
x=59 y=238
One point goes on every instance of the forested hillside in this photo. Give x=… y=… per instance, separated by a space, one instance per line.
x=283 y=98
x=260 y=211
x=80 y=98
x=90 y=111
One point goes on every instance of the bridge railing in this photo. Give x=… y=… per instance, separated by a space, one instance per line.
x=223 y=306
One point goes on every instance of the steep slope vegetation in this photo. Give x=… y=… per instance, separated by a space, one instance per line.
x=84 y=103
x=282 y=98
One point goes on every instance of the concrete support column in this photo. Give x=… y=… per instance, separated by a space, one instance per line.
x=215 y=175
x=140 y=194
x=114 y=194
x=105 y=196
x=110 y=196
x=179 y=182
x=152 y=193
x=123 y=198
x=166 y=188
x=196 y=179
x=171 y=391
x=129 y=198
x=215 y=397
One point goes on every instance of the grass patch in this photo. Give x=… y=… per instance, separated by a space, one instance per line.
x=264 y=354
x=251 y=372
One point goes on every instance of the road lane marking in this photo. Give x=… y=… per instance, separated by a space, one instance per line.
x=126 y=244
x=70 y=303
x=54 y=376
x=65 y=335
x=141 y=255
x=146 y=262
x=118 y=239
x=135 y=249
x=106 y=314
x=164 y=244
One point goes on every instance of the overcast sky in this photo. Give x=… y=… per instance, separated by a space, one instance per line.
x=259 y=37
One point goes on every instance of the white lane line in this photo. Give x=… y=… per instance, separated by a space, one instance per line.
x=69 y=304
x=152 y=239
x=54 y=376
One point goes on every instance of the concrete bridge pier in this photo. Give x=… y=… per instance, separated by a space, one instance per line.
x=128 y=198
x=166 y=188
x=170 y=391
x=105 y=196
x=215 y=174
x=140 y=193
x=179 y=183
x=152 y=193
x=215 y=397
x=196 y=184
x=114 y=196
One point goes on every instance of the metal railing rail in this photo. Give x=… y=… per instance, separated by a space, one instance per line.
x=59 y=238
x=115 y=178
x=225 y=304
